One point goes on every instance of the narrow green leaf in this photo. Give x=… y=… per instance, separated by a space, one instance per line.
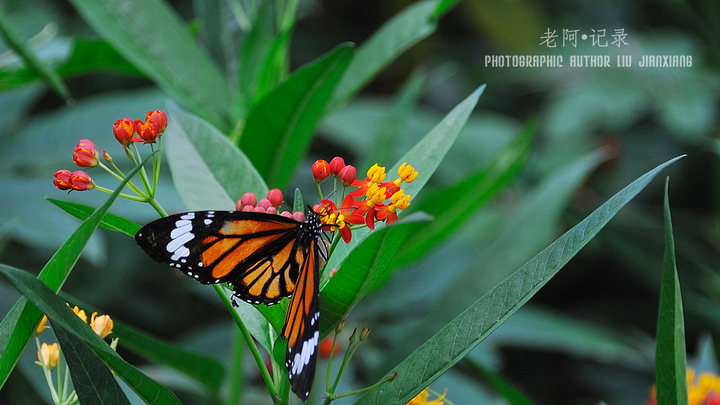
x=93 y=382
x=15 y=41
x=19 y=324
x=59 y=313
x=467 y=196
x=298 y=202
x=366 y=266
x=87 y=56
x=396 y=36
x=280 y=126
x=209 y=172
x=444 y=7
x=502 y=387
x=425 y=157
x=255 y=49
x=670 y=361
x=151 y=36
x=200 y=368
x=109 y=221
x=388 y=130
x=467 y=330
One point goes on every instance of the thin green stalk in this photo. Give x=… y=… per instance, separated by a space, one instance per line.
x=447 y=401
x=251 y=344
x=236 y=370
x=142 y=173
x=319 y=191
x=330 y=357
x=346 y=360
x=66 y=382
x=156 y=167
x=160 y=210
x=120 y=177
x=123 y=195
x=355 y=392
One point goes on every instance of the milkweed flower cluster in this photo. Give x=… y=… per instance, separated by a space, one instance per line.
x=703 y=390
x=373 y=199
x=128 y=133
x=270 y=205
x=49 y=354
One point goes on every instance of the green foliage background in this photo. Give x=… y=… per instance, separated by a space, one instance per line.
x=541 y=151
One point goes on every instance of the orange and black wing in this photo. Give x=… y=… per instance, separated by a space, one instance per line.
x=301 y=323
x=257 y=254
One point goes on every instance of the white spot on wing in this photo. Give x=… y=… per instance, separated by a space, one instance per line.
x=180 y=241
x=180 y=230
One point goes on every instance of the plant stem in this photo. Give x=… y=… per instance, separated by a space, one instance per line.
x=142 y=173
x=123 y=195
x=251 y=344
x=160 y=210
x=236 y=371
x=330 y=357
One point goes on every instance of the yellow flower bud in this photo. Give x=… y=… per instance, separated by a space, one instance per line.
x=407 y=173
x=102 y=325
x=376 y=174
x=79 y=312
x=49 y=355
x=41 y=326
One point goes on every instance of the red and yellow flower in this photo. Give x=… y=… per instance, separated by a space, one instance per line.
x=85 y=154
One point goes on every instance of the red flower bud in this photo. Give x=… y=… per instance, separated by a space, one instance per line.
x=158 y=119
x=286 y=214
x=148 y=131
x=80 y=181
x=320 y=170
x=299 y=216
x=124 y=130
x=62 y=179
x=85 y=154
x=107 y=156
x=275 y=196
x=248 y=199
x=264 y=204
x=347 y=175
x=336 y=164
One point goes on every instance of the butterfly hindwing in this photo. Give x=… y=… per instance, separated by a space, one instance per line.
x=254 y=253
x=301 y=328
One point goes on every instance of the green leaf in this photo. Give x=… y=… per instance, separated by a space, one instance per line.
x=93 y=382
x=87 y=56
x=444 y=6
x=467 y=197
x=151 y=36
x=255 y=50
x=670 y=361
x=467 y=330
x=500 y=385
x=200 y=368
x=16 y=42
x=364 y=268
x=54 y=307
x=298 y=202
x=280 y=126
x=396 y=36
x=109 y=221
x=389 y=129
x=209 y=172
x=425 y=157
x=19 y=324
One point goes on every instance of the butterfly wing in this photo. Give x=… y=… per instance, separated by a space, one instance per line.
x=255 y=253
x=301 y=324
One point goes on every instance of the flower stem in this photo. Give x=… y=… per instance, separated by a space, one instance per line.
x=123 y=195
x=320 y=191
x=143 y=174
x=160 y=210
x=120 y=176
x=329 y=361
x=251 y=344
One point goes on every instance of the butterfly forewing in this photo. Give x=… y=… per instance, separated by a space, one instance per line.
x=253 y=252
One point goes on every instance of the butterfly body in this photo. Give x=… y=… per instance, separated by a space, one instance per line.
x=263 y=258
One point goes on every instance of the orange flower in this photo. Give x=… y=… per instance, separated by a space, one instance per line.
x=124 y=130
x=49 y=355
x=79 y=312
x=102 y=325
x=154 y=126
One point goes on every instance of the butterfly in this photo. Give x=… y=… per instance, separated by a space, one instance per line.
x=263 y=258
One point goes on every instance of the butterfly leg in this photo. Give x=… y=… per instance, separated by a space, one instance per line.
x=233 y=301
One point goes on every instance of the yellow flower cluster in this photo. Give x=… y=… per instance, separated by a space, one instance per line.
x=703 y=390
x=423 y=398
